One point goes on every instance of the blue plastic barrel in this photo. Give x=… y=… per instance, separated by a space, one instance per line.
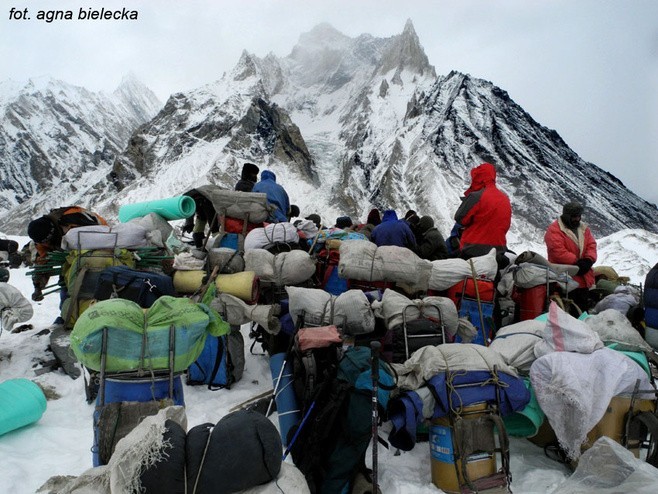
x=286 y=401
x=21 y=403
x=117 y=390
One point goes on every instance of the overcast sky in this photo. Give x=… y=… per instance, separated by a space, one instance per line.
x=586 y=68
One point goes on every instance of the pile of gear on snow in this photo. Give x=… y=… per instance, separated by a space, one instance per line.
x=451 y=351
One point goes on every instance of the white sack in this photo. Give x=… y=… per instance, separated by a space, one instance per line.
x=575 y=389
x=14 y=306
x=286 y=268
x=609 y=468
x=228 y=260
x=516 y=343
x=565 y=333
x=186 y=261
x=158 y=229
x=448 y=272
x=350 y=311
x=613 y=327
x=272 y=233
x=122 y=236
x=363 y=260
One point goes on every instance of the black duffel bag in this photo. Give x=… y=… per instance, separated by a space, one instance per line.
x=142 y=287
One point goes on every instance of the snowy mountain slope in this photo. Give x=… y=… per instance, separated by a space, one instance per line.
x=351 y=123
x=58 y=141
x=365 y=121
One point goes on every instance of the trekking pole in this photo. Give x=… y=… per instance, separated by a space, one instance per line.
x=299 y=429
x=375 y=347
x=300 y=323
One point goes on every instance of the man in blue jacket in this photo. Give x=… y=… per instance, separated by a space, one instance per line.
x=276 y=196
x=392 y=231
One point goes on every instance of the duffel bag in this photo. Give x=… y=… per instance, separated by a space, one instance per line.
x=142 y=287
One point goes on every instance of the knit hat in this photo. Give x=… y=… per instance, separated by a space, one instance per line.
x=411 y=217
x=41 y=229
x=294 y=211
x=343 y=222
x=249 y=172
x=315 y=218
x=425 y=223
x=572 y=209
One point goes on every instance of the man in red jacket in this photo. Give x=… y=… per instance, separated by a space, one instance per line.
x=485 y=214
x=570 y=241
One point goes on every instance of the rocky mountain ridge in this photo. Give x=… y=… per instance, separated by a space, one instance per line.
x=351 y=123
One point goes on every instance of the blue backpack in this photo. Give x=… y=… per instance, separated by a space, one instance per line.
x=221 y=362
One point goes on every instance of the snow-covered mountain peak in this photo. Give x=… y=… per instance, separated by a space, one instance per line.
x=406 y=52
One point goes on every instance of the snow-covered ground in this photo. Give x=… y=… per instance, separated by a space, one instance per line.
x=60 y=443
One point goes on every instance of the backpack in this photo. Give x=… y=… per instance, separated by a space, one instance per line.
x=330 y=442
x=327 y=272
x=221 y=362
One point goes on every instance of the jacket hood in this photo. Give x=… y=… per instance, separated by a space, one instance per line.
x=389 y=215
x=268 y=175
x=481 y=176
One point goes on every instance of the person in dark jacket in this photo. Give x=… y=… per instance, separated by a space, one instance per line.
x=431 y=245
x=47 y=232
x=412 y=218
x=374 y=218
x=485 y=214
x=392 y=231
x=205 y=215
x=276 y=196
x=344 y=223
x=248 y=178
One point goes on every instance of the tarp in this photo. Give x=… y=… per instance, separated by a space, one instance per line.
x=394 y=308
x=237 y=204
x=446 y=273
x=285 y=268
x=259 y=238
x=362 y=260
x=350 y=311
x=429 y=361
x=516 y=343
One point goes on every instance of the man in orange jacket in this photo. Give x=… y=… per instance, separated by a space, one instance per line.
x=47 y=233
x=570 y=241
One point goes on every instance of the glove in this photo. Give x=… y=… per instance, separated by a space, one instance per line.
x=37 y=295
x=188 y=227
x=584 y=265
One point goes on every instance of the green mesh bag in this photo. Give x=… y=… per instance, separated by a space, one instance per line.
x=140 y=339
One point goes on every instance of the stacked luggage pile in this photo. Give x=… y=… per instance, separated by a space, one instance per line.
x=322 y=304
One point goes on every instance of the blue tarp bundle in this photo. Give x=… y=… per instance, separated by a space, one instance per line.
x=464 y=388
